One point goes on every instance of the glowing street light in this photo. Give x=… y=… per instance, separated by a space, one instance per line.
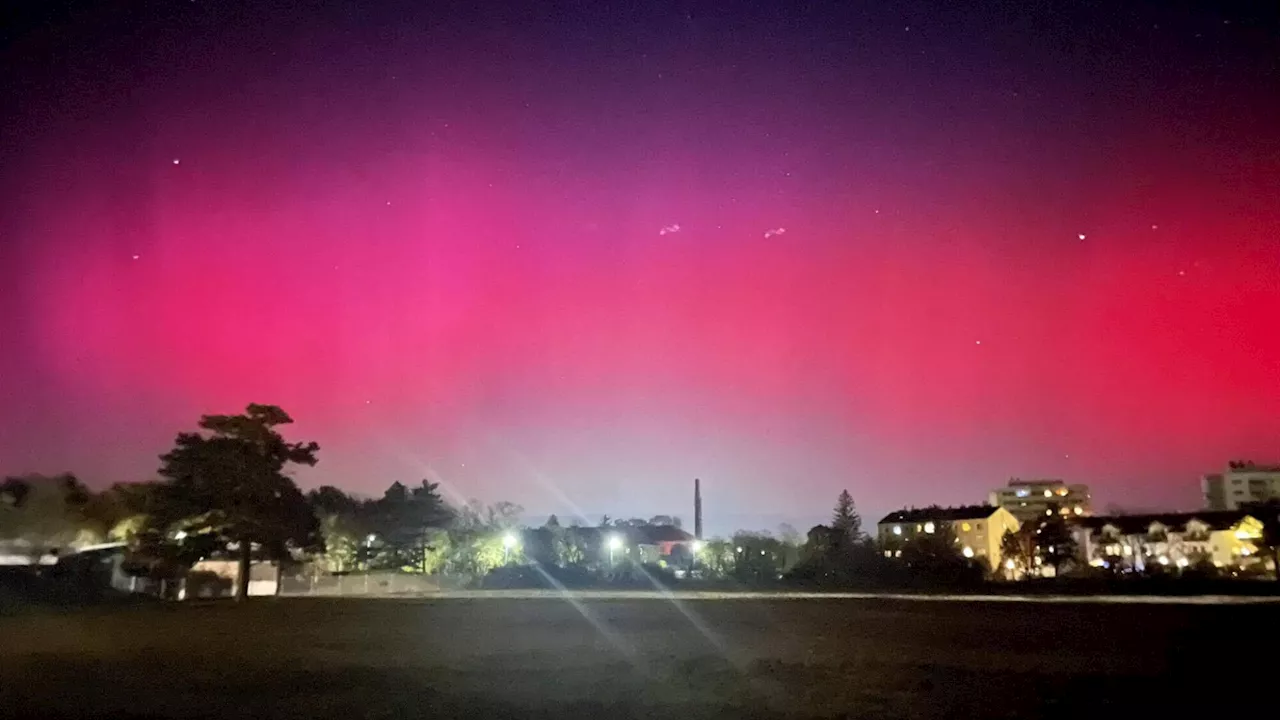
x=509 y=541
x=698 y=546
x=615 y=542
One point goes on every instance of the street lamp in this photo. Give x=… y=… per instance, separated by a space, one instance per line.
x=615 y=542
x=508 y=541
x=696 y=548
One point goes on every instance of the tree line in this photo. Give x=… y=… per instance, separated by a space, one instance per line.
x=225 y=492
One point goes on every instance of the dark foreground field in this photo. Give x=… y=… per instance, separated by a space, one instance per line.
x=604 y=659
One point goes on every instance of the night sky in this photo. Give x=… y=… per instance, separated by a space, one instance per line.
x=575 y=254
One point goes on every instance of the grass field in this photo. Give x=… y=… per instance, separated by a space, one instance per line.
x=505 y=657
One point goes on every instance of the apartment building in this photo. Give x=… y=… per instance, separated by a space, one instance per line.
x=978 y=529
x=1241 y=483
x=1030 y=500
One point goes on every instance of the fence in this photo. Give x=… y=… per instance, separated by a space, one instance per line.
x=373 y=584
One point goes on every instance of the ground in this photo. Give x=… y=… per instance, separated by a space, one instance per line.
x=497 y=657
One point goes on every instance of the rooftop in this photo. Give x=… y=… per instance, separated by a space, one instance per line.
x=1019 y=482
x=1251 y=466
x=1134 y=524
x=968 y=512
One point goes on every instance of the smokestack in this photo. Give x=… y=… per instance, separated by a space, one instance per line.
x=697 y=508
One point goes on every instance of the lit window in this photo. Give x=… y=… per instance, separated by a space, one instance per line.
x=897 y=529
x=888 y=553
x=1009 y=564
x=929 y=527
x=966 y=527
x=1164 y=560
x=967 y=552
x=919 y=527
x=1048 y=512
x=1023 y=493
x=1079 y=510
x=897 y=553
x=1048 y=493
x=1062 y=492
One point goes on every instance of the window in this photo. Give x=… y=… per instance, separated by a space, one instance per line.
x=966 y=527
x=929 y=527
x=1048 y=493
x=979 y=526
x=1023 y=493
x=897 y=529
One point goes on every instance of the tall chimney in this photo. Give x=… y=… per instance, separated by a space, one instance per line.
x=697 y=508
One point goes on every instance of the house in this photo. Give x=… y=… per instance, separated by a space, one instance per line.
x=1132 y=543
x=978 y=529
x=655 y=543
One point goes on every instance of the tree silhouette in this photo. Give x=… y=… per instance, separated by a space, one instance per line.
x=46 y=512
x=402 y=521
x=845 y=520
x=227 y=480
x=1054 y=542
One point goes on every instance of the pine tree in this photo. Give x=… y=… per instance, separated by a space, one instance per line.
x=845 y=521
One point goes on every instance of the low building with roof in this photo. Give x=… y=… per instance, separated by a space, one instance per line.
x=978 y=529
x=1133 y=543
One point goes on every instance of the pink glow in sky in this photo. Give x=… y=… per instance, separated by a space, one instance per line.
x=444 y=264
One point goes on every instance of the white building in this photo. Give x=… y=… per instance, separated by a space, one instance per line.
x=1241 y=483
x=1176 y=540
x=1032 y=500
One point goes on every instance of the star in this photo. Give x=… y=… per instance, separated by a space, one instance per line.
x=670 y=229
x=1155 y=227
x=176 y=161
x=776 y=231
x=1080 y=235
x=977 y=342
x=135 y=257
